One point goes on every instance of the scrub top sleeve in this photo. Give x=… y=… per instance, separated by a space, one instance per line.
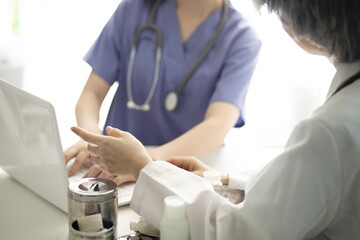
x=104 y=56
x=238 y=70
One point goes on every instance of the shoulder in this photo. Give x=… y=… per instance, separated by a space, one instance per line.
x=134 y=3
x=240 y=35
x=131 y=8
x=333 y=127
x=239 y=24
x=312 y=132
x=340 y=112
x=128 y=14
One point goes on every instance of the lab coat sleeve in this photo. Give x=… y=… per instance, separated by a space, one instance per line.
x=295 y=197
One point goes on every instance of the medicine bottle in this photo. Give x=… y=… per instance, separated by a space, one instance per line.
x=214 y=178
x=174 y=225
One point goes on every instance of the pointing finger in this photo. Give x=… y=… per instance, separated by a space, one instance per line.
x=114 y=132
x=87 y=136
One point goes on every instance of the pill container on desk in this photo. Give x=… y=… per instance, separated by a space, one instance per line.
x=92 y=205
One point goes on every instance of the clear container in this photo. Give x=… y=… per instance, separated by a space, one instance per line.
x=92 y=205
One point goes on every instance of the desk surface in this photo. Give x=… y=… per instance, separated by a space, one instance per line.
x=25 y=215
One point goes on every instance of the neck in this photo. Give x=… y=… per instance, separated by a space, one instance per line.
x=334 y=61
x=200 y=8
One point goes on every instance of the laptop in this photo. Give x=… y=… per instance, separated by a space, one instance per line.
x=31 y=150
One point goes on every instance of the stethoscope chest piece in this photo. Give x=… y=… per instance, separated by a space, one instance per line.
x=171 y=101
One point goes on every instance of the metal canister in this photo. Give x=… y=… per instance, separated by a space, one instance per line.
x=92 y=205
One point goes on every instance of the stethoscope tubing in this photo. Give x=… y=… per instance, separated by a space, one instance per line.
x=146 y=105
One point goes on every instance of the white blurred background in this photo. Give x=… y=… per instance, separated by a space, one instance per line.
x=53 y=36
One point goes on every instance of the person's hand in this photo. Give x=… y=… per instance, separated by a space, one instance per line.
x=96 y=171
x=80 y=153
x=120 y=153
x=191 y=164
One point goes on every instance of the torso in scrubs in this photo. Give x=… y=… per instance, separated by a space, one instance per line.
x=224 y=76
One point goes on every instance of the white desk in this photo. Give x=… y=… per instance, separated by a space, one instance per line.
x=26 y=216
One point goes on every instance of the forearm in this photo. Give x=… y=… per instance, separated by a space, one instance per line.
x=87 y=112
x=200 y=140
x=89 y=104
x=204 y=137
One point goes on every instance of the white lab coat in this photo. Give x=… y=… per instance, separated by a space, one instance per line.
x=310 y=191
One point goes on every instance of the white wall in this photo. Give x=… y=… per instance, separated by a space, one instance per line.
x=288 y=84
x=55 y=36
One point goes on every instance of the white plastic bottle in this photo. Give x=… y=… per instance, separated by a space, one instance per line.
x=214 y=178
x=174 y=225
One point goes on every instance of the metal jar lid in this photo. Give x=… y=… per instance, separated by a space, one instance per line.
x=92 y=190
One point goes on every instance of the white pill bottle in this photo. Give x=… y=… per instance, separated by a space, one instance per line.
x=174 y=225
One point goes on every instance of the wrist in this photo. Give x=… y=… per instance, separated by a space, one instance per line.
x=153 y=154
x=91 y=128
x=140 y=166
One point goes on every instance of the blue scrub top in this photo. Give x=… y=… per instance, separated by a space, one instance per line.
x=224 y=76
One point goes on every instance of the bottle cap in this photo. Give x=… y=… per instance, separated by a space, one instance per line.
x=174 y=207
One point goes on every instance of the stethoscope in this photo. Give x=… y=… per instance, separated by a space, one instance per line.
x=172 y=97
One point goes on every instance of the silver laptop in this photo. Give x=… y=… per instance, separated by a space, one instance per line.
x=30 y=146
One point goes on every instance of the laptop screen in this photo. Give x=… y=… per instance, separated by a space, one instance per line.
x=30 y=147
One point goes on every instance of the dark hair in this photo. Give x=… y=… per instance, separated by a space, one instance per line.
x=331 y=24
